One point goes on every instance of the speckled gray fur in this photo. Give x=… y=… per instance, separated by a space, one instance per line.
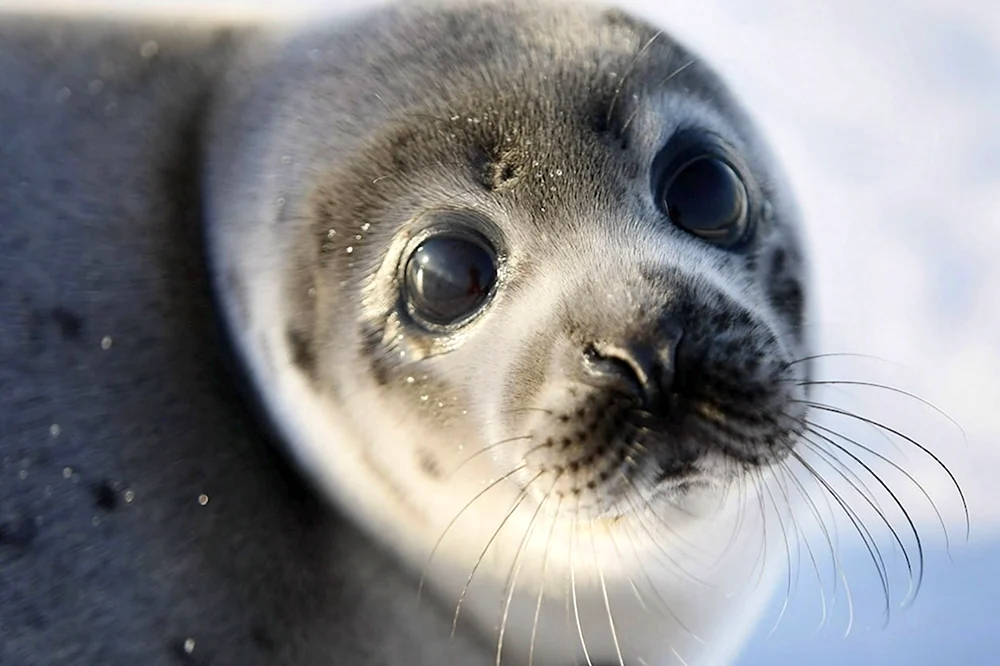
x=145 y=516
x=107 y=555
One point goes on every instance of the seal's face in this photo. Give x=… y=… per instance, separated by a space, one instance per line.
x=590 y=265
x=520 y=275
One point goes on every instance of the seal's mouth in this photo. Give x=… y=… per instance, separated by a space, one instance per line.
x=611 y=448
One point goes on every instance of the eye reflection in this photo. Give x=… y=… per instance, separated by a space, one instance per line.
x=449 y=278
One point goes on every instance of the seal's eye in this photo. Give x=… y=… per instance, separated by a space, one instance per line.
x=708 y=199
x=700 y=186
x=449 y=278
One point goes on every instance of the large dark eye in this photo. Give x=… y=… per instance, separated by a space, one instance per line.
x=702 y=191
x=708 y=199
x=449 y=277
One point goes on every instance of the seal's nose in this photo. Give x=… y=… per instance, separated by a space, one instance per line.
x=642 y=367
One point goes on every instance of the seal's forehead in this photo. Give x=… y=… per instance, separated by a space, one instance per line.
x=430 y=51
x=521 y=56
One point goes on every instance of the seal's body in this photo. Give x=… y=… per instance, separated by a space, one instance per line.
x=465 y=274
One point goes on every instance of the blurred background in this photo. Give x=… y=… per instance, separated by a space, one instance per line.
x=886 y=119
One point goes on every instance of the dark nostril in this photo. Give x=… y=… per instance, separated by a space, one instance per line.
x=644 y=369
x=615 y=370
x=637 y=369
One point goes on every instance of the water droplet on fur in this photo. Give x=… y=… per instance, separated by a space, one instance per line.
x=106 y=342
x=350 y=249
x=129 y=496
x=203 y=499
x=54 y=430
x=67 y=472
x=410 y=380
x=189 y=645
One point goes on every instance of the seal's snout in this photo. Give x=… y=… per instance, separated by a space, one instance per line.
x=643 y=367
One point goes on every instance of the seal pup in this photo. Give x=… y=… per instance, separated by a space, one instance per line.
x=518 y=284
x=515 y=284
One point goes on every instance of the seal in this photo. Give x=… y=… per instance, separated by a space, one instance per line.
x=530 y=300
x=516 y=285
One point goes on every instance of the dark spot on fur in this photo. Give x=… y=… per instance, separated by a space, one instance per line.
x=69 y=323
x=303 y=354
x=105 y=496
x=778 y=262
x=429 y=464
x=788 y=299
x=371 y=348
x=18 y=533
x=490 y=168
x=606 y=115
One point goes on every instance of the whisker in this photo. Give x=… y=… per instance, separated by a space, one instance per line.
x=628 y=72
x=516 y=568
x=834 y=558
x=760 y=564
x=572 y=574
x=541 y=585
x=891 y=389
x=639 y=516
x=490 y=447
x=465 y=589
x=801 y=538
x=878 y=510
x=518 y=410
x=788 y=553
x=814 y=357
x=662 y=83
x=924 y=449
x=866 y=537
x=901 y=470
x=902 y=508
x=652 y=586
x=604 y=592
x=454 y=520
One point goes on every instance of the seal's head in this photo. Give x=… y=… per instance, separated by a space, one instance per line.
x=522 y=278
